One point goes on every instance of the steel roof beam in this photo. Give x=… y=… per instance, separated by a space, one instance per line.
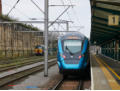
x=106 y=29
x=95 y=28
x=101 y=35
x=100 y=19
x=101 y=31
x=105 y=39
x=112 y=2
x=103 y=22
x=101 y=13
x=108 y=10
x=100 y=39
x=109 y=7
x=95 y=31
x=104 y=13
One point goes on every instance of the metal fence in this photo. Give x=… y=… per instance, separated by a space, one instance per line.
x=112 y=49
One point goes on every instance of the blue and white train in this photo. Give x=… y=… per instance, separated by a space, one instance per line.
x=73 y=53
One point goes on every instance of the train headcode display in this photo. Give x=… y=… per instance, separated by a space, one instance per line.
x=72 y=37
x=113 y=20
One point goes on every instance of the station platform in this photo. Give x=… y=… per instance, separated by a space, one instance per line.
x=105 y=73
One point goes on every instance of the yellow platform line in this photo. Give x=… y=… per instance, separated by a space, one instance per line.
x=111 y=80
x=110 y=68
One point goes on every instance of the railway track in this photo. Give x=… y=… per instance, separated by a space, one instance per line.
x=20 y=72
x=65 y=84
x=27 y=61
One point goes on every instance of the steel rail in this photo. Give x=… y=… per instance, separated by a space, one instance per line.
x=80 y=86
x=22 y=73
x=57 y=86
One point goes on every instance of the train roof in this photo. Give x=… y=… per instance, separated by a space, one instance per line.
x=80 y=35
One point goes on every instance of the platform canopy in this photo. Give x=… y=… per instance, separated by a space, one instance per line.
x=105 y=21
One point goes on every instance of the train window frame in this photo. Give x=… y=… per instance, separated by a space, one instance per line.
x=37 y=47
x=73 y=39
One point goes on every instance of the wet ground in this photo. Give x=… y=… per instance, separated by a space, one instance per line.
x=75 y=83
x=37 y=81
x=33 y=82
x=70 y=82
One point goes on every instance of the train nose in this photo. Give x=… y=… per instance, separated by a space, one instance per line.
x=71 y=61
x=71 y=56
x=37 y=51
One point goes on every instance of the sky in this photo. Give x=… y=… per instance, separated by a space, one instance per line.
x=79 y=14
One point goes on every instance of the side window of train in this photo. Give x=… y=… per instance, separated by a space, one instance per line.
x=83 y=43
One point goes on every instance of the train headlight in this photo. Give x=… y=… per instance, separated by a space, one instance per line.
x=64 y=56
x=80 y=57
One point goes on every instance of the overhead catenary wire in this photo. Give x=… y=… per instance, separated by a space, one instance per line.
x=74 y=12
x=19 y=11
x=63 y=29
x=66 y=12
x=37 y=6
x=59 y=16
x=13 y=7
x=70 y=2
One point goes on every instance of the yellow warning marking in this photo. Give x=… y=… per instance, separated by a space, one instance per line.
x=110 y=69
x=111 y=80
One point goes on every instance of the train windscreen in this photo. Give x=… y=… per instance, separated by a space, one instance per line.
x=39 y=47
x=72 y=46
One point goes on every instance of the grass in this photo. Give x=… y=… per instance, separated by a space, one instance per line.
x=11 y=60
x=10 y=19
x=21 y=62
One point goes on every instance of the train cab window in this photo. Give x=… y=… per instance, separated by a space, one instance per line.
x=38 y=47
x=72 y=46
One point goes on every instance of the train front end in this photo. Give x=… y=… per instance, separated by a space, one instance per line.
x=72 y=53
